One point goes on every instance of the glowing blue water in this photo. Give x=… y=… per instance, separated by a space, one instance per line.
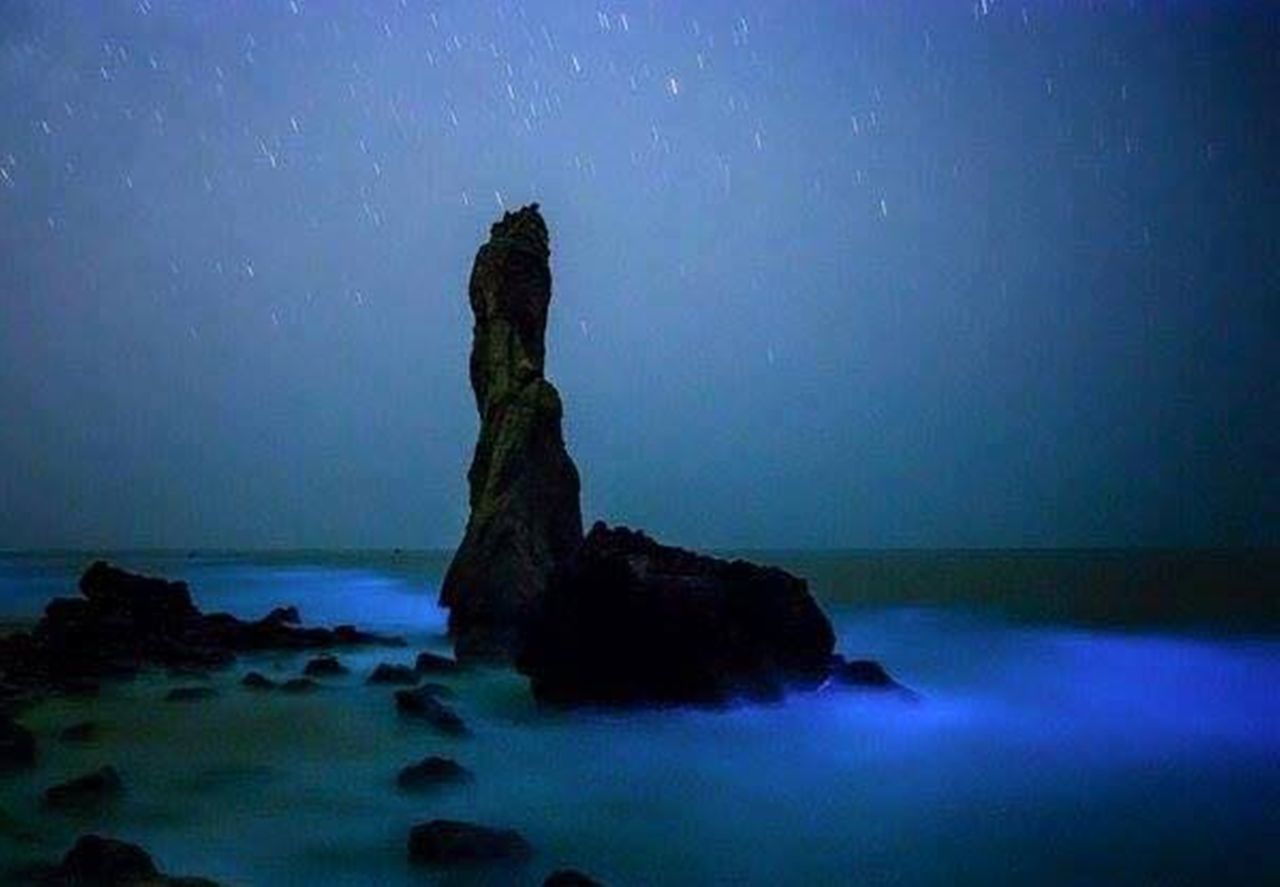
x=1038 y=755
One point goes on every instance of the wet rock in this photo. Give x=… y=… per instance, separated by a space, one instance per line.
x=299 y=685
x=422 y=705
x=569 y=878
x=93 y=789
x=190 y=694
x=866 y=674
x=431 y=772
x=81 y=731
x=256 y=680
x=106 y=862
x=434 y=663
x=387 y=673
x=325 y=667
x=446 y=842
x=628 y=620
x=17 y=746
x=124 y=622
x=524 y=490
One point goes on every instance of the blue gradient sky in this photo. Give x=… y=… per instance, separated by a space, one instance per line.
x=826 y=274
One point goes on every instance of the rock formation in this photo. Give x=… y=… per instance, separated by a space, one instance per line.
x=525 y=515
x=124 y=622
x=628 y=620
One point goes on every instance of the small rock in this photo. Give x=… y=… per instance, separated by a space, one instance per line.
x=299 y=685
x=90 y=790
x=325 y=666
x=570 y=878
x=448 y=842
x=433 y=771
x=190 y=694
x=867 y=674
x=434 y=663
x=83 y=731
x=420 y=703
x=17 y=746
x=185 y=673
x=387 y=673
x=256 y=680
x=284 y=616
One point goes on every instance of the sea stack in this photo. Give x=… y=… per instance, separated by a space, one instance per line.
x=526 y=519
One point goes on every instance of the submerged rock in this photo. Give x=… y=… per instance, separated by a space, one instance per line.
x=190 y=694
x=325 y=667
x=421 y=703
x=628 y=620
x=299 y=685
x=433 y=663
x=866 y=674
x=90 y=790
x=525 y=515
x=81 y=731
x=431 y=772
x=17 y=746
x=448 y=842
x=256 y=680
x=569 y=878
x=386 y=673
x=106 y=862
x=125 y=622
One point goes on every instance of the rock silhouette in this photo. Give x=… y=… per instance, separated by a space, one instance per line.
x=525 y=515
x=629 y=620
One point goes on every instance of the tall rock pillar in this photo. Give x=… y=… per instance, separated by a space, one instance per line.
x=526 y=518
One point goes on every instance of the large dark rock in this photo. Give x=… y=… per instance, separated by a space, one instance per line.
x=124 y=622
x=431 y=772
x=325 y=667
x=93 y=789
x=433 y=663
x=867 y=674
x=525 y=515
x=17 y=746
x=447 y=842
x=95 y=861
x=569 y=878
x=628 y=620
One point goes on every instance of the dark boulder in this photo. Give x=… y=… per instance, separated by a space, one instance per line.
x=325 y=667
x=95 y=861
x=256 y=680
x=569 y=878
x=628 y=620
x=525 y=516
x=17 y=746
x=447 y=842
x=434 y=663
x=386 y=673
x=432 y=772
x=421 y=704
x=93 y=789
x=190 y=694
x=284 y=616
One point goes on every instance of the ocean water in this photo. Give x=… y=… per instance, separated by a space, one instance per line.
x=1075 y=740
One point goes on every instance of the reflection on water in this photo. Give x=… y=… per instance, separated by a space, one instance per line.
x=1039 y=754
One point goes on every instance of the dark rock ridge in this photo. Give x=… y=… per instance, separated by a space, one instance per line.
x=124 y=622
x=447 y=842
x=628 y=620
x=525 y=515
x=106 y=862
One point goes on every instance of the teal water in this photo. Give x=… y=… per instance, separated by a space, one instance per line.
x=1051 y=746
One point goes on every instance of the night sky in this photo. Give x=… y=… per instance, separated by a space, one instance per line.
x=839 y=274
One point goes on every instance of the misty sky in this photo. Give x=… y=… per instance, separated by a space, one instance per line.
x=826 y=273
